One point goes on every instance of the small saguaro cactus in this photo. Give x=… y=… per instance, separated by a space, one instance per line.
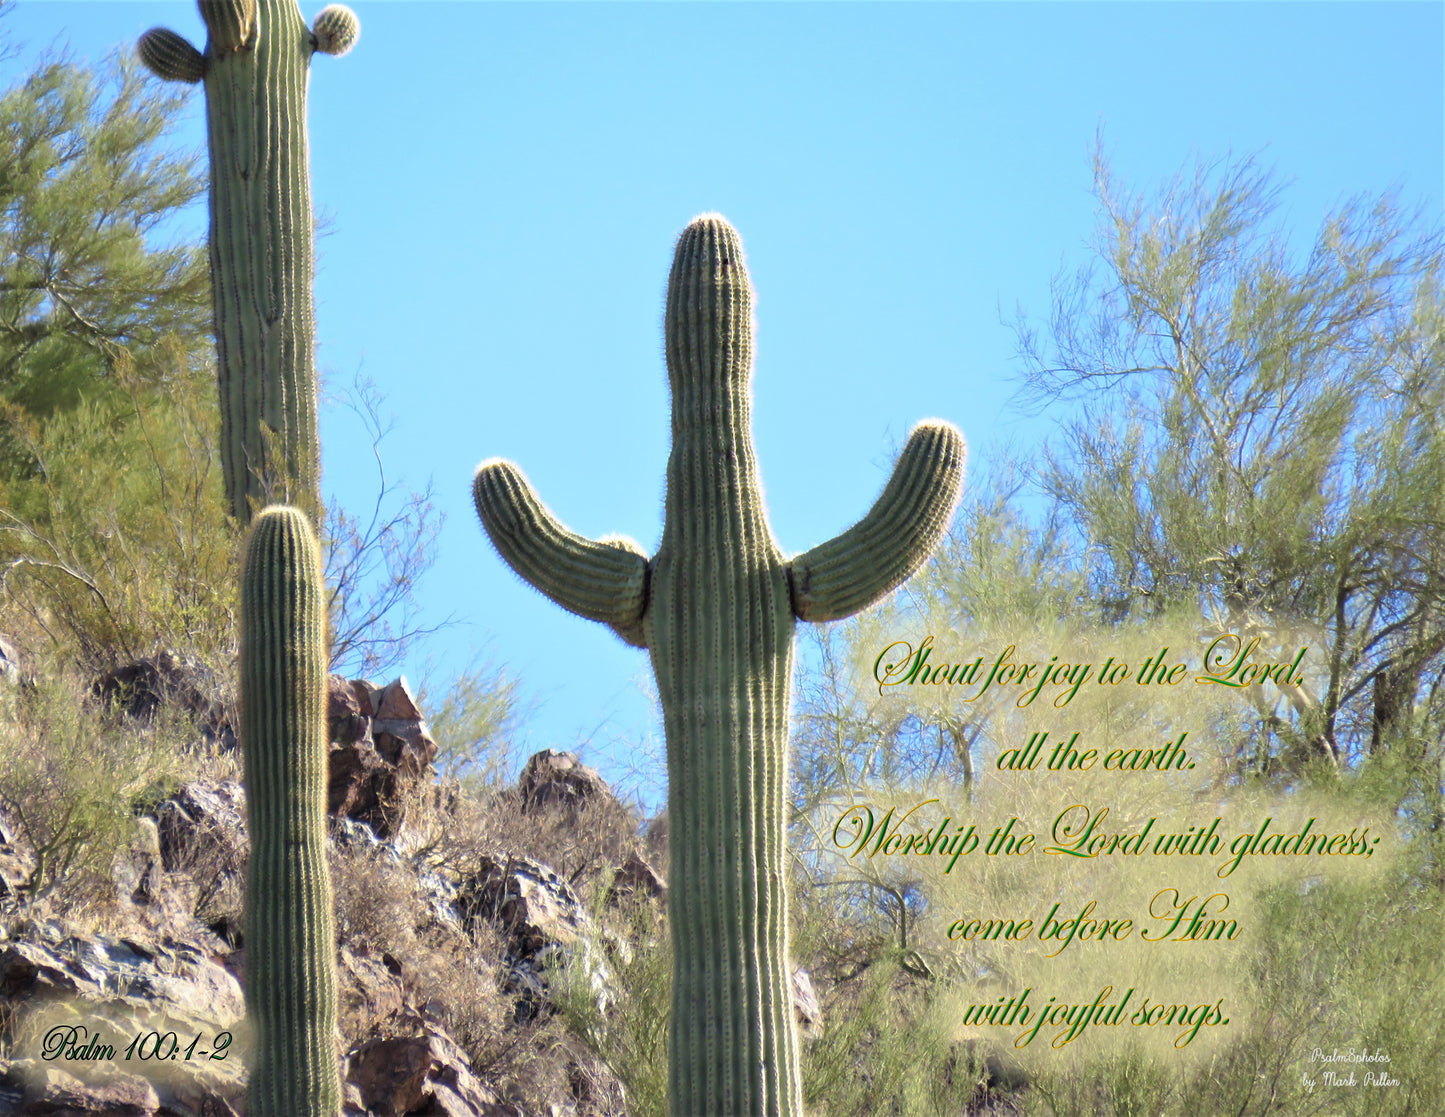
x=290 y=929
x=255 y=70
x=715 y=608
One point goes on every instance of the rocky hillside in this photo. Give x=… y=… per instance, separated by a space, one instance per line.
x=472 y=929
x=503 y=951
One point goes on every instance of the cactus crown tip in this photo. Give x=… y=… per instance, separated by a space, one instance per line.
x=285 y=519
x=711 y=225
x=275 y=510
x=710 y=242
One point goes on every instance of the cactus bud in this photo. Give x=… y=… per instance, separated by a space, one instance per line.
x=170 y=56
x=336 y=29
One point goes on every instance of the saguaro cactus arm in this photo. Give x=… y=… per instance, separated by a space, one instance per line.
x=877 y=554
x=171 y=56
x=601 y=580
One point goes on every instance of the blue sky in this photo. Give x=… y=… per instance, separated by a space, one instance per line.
x=505 y=181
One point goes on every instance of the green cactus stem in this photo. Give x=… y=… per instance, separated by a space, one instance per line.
x=255 y=68
x=290 y=930
x=716 y=608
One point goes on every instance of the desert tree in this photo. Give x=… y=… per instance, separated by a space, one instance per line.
x=1259 y=438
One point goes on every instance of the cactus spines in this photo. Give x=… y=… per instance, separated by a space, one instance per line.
x=229 y=22
x=600 y=581
x=290 y=933
x=255 y=72
x=716 y=612
x=336 y=29
x=171 y=56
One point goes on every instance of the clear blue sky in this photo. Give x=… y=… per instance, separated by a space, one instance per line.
x=506 y=179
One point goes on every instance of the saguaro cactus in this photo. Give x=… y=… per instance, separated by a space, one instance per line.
x=290 y=930
x=255 y=70
x=715 y=607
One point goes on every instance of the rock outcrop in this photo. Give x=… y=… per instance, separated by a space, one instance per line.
x=381 y=752
x=94 y=1017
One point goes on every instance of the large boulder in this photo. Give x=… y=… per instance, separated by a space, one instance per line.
x=142 y=688
x=559 y=779
x=201 y=836
x=381 y=752
x=422 y=1075
x=65 y=990
x=636 y=879
x=546 y=928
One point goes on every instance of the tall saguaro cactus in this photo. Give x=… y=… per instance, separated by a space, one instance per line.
x=290 y=930
x=255 y=68
x=716 y=607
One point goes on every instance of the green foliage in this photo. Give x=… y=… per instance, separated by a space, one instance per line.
x=70 y=778
x=1336 y=966
x=473 y=724
x=1262 y=439
x=631 y=1035
x=118 y=543
x=885 y=1050
x=89 y=288
x=108 y=542
x=1259 y=452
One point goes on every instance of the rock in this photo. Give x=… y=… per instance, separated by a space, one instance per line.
x=370 y=996
x=381 y=752
x=553 y=778
x=177 y=981
x=636 y=879
x=424 y=1075
x=151 y=902
x=368 y=695
x=104 y=989
x=137 y=874
x=806 y=1009
x=527 y=899
x=546 y=925
x=201 y=834
x=141 y=688
x=54 y=1093
x=11 y=670
x=397 y=704
x=405 y=745
x=345 y=718
x=202 y=821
